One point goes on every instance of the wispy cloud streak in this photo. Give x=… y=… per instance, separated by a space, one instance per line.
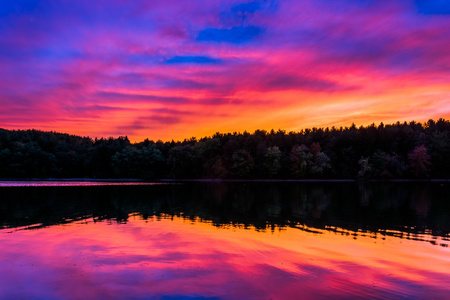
x=175 y=69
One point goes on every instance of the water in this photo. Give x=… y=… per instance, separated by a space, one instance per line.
x=225 y=241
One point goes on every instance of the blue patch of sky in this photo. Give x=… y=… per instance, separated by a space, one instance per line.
x=433 y=7
x=240 y=13
x=237 y=24
x=254 y=6
x=10 y=7
x=235 y=35
x=249 y=7
x=193 y=60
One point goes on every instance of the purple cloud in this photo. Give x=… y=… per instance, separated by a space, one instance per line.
x=59 y=59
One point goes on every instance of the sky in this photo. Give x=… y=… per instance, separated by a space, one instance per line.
x=179 y=69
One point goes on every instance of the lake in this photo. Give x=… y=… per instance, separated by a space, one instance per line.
x=227 y=240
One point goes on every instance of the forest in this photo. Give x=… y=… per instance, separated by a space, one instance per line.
x=411 y=150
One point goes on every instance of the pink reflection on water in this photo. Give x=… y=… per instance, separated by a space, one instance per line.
x=71 y=183
x=174 y=257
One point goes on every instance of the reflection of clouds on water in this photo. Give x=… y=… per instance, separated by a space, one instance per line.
x=169 y=257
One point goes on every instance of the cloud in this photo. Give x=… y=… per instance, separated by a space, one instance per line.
x=110 y=61
x=155 y=119
x=94 y=110
x=113 y=96
x=296 y=82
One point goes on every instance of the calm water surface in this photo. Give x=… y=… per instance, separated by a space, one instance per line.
x=225 y=241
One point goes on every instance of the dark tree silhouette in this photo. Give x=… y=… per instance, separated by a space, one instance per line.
x=400 y=150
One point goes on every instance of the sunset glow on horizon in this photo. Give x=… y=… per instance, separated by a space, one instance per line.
x=177 y=69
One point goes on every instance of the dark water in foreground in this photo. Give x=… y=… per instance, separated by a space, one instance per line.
x=225 y=241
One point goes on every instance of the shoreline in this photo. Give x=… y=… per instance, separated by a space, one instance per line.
x=168 y=180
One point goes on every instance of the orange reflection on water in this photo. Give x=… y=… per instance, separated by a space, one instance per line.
x=172 y=257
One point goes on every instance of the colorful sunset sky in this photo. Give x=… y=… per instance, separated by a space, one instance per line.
x=175 y=69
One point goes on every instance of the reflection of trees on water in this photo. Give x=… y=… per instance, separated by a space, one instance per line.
x=408 y=208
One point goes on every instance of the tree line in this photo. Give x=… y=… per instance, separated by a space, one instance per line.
x=400 y=150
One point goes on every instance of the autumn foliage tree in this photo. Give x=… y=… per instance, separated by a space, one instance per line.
x=419 y=161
